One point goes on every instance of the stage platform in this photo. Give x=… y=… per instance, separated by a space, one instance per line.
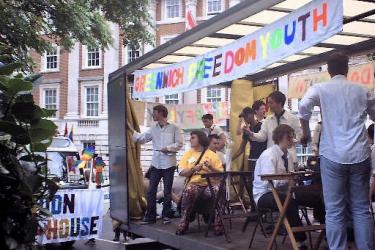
x=195 y=240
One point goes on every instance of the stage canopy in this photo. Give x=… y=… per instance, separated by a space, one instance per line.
x=358 y=36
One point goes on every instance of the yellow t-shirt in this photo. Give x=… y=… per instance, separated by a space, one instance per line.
x=189 y=159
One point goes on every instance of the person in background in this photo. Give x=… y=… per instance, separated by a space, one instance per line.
x=198 y=160
x=276 y=160
x=166 y=139
x=370 y=134
x=276 y=102
x=260 y=110
x=345 y=162
x=214 y=146
x=210 y=128
x=316 y=139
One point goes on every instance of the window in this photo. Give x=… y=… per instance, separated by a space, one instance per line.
x=172 y=8
x=133 y=52
x=213 y=94
x=171 y=99
x=50 y=100
x=214 y=6
x=87 y=144
x=93 y=57
x=50 y=60
x=92 y=101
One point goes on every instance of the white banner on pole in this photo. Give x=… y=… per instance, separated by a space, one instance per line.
x=299 y=30
x=77 y=214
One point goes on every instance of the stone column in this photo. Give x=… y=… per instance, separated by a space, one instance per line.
x=152 y=30
x=73 y=85
x=111 y=63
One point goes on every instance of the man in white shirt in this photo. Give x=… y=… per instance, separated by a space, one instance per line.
x=166 y=139
x=276 y=102
x=276 y=160
x=211 y=129
x=215 y=145
x=345 y=153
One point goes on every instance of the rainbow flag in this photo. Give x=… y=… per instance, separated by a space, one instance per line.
x=88 y=153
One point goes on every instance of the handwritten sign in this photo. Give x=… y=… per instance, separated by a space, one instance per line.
x=362 y=74
x=315 y=22
x=76 y=215
x=188 y=116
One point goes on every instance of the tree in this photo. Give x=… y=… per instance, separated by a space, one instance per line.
x=24 y=130
x=23 y=22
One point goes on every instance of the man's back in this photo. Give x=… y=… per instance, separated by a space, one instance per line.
x=344 y=111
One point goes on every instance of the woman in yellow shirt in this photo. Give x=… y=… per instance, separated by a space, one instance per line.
x=197 y=185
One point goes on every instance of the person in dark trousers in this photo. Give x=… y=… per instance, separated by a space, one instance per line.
x=277 y=160
x=256 y=148
x=345 y=162
x=166 y=139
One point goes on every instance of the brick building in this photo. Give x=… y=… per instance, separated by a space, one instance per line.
x=75 y=82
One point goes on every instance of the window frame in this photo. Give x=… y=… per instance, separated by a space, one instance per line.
x=42 y=96
x=44 y=60
x=166 y=11
x=85 y=58
x=127 y=51
x=217 y=12
x=205 y=94
x=178 y=99
x=83 y=110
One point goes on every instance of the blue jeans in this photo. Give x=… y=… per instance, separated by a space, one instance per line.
x=346 y=188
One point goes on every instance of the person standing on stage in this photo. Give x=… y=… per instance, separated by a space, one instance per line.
x=166 y=139
x=259 y=108
x=276 y=102
x=345 y=162
x=211 y=128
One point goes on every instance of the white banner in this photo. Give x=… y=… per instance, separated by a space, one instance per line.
x=299 y=30
x=77 y=214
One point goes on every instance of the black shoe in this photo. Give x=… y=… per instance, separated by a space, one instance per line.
x=117 y=238
x=146 y=222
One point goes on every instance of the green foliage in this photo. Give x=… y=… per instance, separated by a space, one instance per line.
x=24 y=130
x=64 y=22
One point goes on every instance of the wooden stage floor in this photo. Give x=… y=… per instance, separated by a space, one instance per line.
x=195 y=240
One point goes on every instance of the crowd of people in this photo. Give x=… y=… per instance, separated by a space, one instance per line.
x=340 y=141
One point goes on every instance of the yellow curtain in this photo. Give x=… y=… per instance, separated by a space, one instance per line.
x=137 y=200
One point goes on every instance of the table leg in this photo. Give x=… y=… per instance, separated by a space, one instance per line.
x=282 y=209
x=237 y=194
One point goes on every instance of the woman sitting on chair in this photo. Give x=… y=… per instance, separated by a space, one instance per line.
x=198 y=160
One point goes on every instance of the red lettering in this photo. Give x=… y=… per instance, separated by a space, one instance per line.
x=179 y=76
x=366 y=76
x=239 y=57
x=52 y=229
x=320 y=17
x=190 y=115
x=228 y=65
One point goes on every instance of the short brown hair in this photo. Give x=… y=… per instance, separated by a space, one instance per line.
x=338 y=64
x=202 y=138
x=280 y=132
x=278 y=97
x=161 y=109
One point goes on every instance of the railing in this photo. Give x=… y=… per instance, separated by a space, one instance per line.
x=88 y=123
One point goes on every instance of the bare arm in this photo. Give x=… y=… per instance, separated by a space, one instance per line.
x=239 y=126
x=306 y=134
x=240 y=150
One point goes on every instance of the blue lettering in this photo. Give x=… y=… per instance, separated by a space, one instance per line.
x=85 y=231
x=56 y=204
x=289 y=38
x=159 y=80
x=207 y=67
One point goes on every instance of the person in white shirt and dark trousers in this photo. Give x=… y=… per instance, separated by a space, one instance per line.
x=277 y=160
x=166 y=139
x=344 y=152
x=276 y=102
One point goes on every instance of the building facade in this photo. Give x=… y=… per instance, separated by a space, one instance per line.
x=75 y=82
